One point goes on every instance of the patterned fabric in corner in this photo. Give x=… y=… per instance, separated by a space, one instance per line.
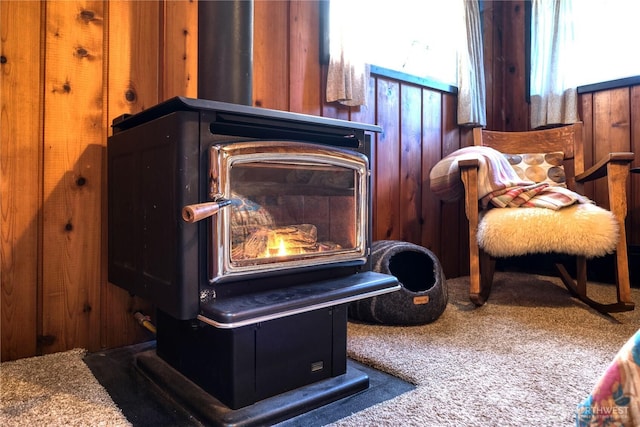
x=614 y=400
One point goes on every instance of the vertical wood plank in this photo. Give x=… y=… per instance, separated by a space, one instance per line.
x=304 y=54
x=497 y=88
x=74 y=141
x=132 y=88
x=431 y=154
x=488 y=29
x=179 y=49
x=516 y=117
x=271 y=54
x=366 y=113
x=409 y=210
x=20 y=176
x=586 y=110
x=133 y=50
x=634 y=193
x=449 y=127
x=387 y=199
x=611 y=131
x=455 y=251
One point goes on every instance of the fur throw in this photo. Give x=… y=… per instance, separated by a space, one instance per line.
x=580 y=229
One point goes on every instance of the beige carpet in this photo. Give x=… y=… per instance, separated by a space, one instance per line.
x=54 y=390
x=526 y=358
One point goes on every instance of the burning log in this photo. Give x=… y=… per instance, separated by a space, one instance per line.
x=250 y=242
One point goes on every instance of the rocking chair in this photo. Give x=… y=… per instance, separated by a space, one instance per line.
x=583 y=229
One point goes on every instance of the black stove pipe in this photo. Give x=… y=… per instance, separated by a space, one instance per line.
x=225 y=51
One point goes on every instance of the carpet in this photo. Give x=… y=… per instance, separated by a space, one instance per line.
x=54 y=390
x=526 y=358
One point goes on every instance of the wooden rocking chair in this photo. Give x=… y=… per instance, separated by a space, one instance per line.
x=568 y=140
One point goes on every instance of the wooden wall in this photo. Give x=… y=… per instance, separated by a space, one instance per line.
x=69 y=67
x=612 y=123
x=504 y=40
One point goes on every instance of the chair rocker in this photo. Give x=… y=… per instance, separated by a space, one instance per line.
x=576 y=230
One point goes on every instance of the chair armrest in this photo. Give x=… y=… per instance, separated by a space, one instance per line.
x=469 y=176
x=599 y=170
x=615 y=167
x=469 y=163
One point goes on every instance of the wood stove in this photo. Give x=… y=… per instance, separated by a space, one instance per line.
x=249 y=230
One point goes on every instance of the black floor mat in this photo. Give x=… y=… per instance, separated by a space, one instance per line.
x=145 y=404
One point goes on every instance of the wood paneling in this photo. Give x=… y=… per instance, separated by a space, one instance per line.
x=431 y=153
x=74 y=141
x=410 y=152
x=71 y=67
x=179 y=49
x=271 y=83
x=634 y=206
x=610 y=131
x=304 y=53
x=386 y=171
x=515 y=108
x=505 y=72
x=20 y=176
x=419 y=128
x=611 y=120
x=452 y=250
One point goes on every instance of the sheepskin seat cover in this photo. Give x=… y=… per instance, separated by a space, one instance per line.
x=580 y=229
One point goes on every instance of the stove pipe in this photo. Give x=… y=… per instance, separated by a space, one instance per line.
x=225 y=51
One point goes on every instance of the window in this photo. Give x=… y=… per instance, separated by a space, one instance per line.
x=605 y=33
x=416 y=37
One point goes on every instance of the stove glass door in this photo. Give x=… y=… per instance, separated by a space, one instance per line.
x=292 y=205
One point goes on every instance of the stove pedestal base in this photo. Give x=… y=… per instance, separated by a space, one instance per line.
x=281 y=407
x=241 y=366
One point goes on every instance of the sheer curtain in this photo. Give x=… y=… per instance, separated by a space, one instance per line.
x=554 y=98
x=472 y=110
x=347 y=75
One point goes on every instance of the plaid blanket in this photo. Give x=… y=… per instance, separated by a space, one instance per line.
x=498 y=183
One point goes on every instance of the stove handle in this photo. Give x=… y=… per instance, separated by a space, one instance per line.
x=199 y=211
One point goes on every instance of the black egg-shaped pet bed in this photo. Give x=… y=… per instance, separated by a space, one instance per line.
x=423 y=294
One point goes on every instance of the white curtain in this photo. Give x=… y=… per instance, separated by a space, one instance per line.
x=472 y=110
x=348 y=74
x=554 y=98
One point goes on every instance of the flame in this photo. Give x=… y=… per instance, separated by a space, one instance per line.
x=277 y=249
x=282 y=248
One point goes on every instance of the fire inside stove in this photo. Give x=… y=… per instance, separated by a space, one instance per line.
x=292 y=204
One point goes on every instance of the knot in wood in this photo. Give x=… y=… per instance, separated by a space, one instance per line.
x=87 y=15
x=130 y=95
x=82 y=52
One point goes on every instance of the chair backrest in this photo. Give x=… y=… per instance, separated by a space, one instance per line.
x=567 y=139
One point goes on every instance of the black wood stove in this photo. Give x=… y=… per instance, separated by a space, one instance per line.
x=250 y=231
